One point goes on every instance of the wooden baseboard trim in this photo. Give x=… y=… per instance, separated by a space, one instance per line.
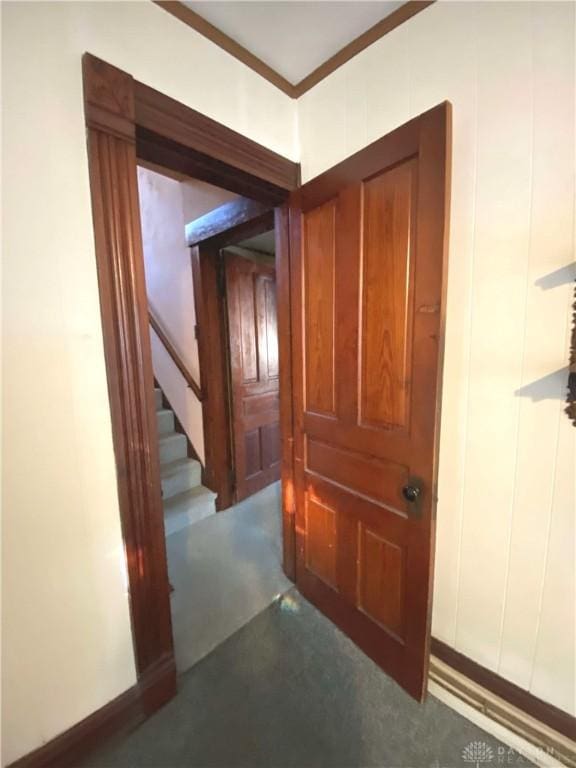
x=513 y=699
x=523 y=735
x=155 y=687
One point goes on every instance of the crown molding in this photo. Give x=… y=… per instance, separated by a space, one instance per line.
x=356 y=46
x=360 y=43
x=212 y=33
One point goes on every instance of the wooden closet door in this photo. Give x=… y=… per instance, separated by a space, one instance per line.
x=251 y=301
x=368 y=243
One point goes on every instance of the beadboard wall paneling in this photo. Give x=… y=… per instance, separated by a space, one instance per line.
x=505 y=580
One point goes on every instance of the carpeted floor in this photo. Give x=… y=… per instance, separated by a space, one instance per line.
x=239 y=554
x=288 y=689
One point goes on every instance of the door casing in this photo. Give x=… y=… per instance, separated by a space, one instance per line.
x=127 y=121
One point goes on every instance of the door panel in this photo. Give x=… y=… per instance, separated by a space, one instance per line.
x=385 y=303
x=319 y=226
x=368 y=242
x=252 y=324
x=378 y=479
x=321 y=546
x=270 y=340
x=381 y=580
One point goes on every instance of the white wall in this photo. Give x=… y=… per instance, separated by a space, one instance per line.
x=166 y=206
x=67 y=646
x=505 y=582
x=199 y=198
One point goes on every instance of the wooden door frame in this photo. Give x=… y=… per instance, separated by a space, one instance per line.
x=213 y=348
x=127 y=121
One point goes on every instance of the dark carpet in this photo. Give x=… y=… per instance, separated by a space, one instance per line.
x=290 y=690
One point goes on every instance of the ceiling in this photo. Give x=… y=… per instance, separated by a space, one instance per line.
x=294 y=37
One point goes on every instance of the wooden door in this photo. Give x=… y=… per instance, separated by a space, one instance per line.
x=367 y=249
x=251 y=301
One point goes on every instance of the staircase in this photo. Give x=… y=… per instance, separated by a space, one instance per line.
x=184 y=498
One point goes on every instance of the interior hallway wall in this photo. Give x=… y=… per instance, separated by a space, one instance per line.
x=199 y=198
x=505 y=581
x=67 y=643
x=166 y=205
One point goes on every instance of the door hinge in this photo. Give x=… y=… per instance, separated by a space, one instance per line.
x=232 y=479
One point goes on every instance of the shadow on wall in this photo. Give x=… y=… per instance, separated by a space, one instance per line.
x=557 y=278
x=550 y=387
x=553 y=386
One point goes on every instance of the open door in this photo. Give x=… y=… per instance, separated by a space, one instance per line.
x=368 y=245
x=252 y=329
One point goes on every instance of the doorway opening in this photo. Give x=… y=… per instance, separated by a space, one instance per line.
x=360 y=276
x=214 y=345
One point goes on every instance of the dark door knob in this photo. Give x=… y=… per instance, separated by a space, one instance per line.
x=411 y=493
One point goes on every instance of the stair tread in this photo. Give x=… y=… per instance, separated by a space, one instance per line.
x=172 y=446
x=198 y=494
x=165 y=422
x=172 y=467
x=170 y=436
x=188 y=508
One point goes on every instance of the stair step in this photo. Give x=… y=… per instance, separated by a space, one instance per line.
x=173 y=447
x=188 y=508
x=180 y=476
x=165 y=421
x=158 y=398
